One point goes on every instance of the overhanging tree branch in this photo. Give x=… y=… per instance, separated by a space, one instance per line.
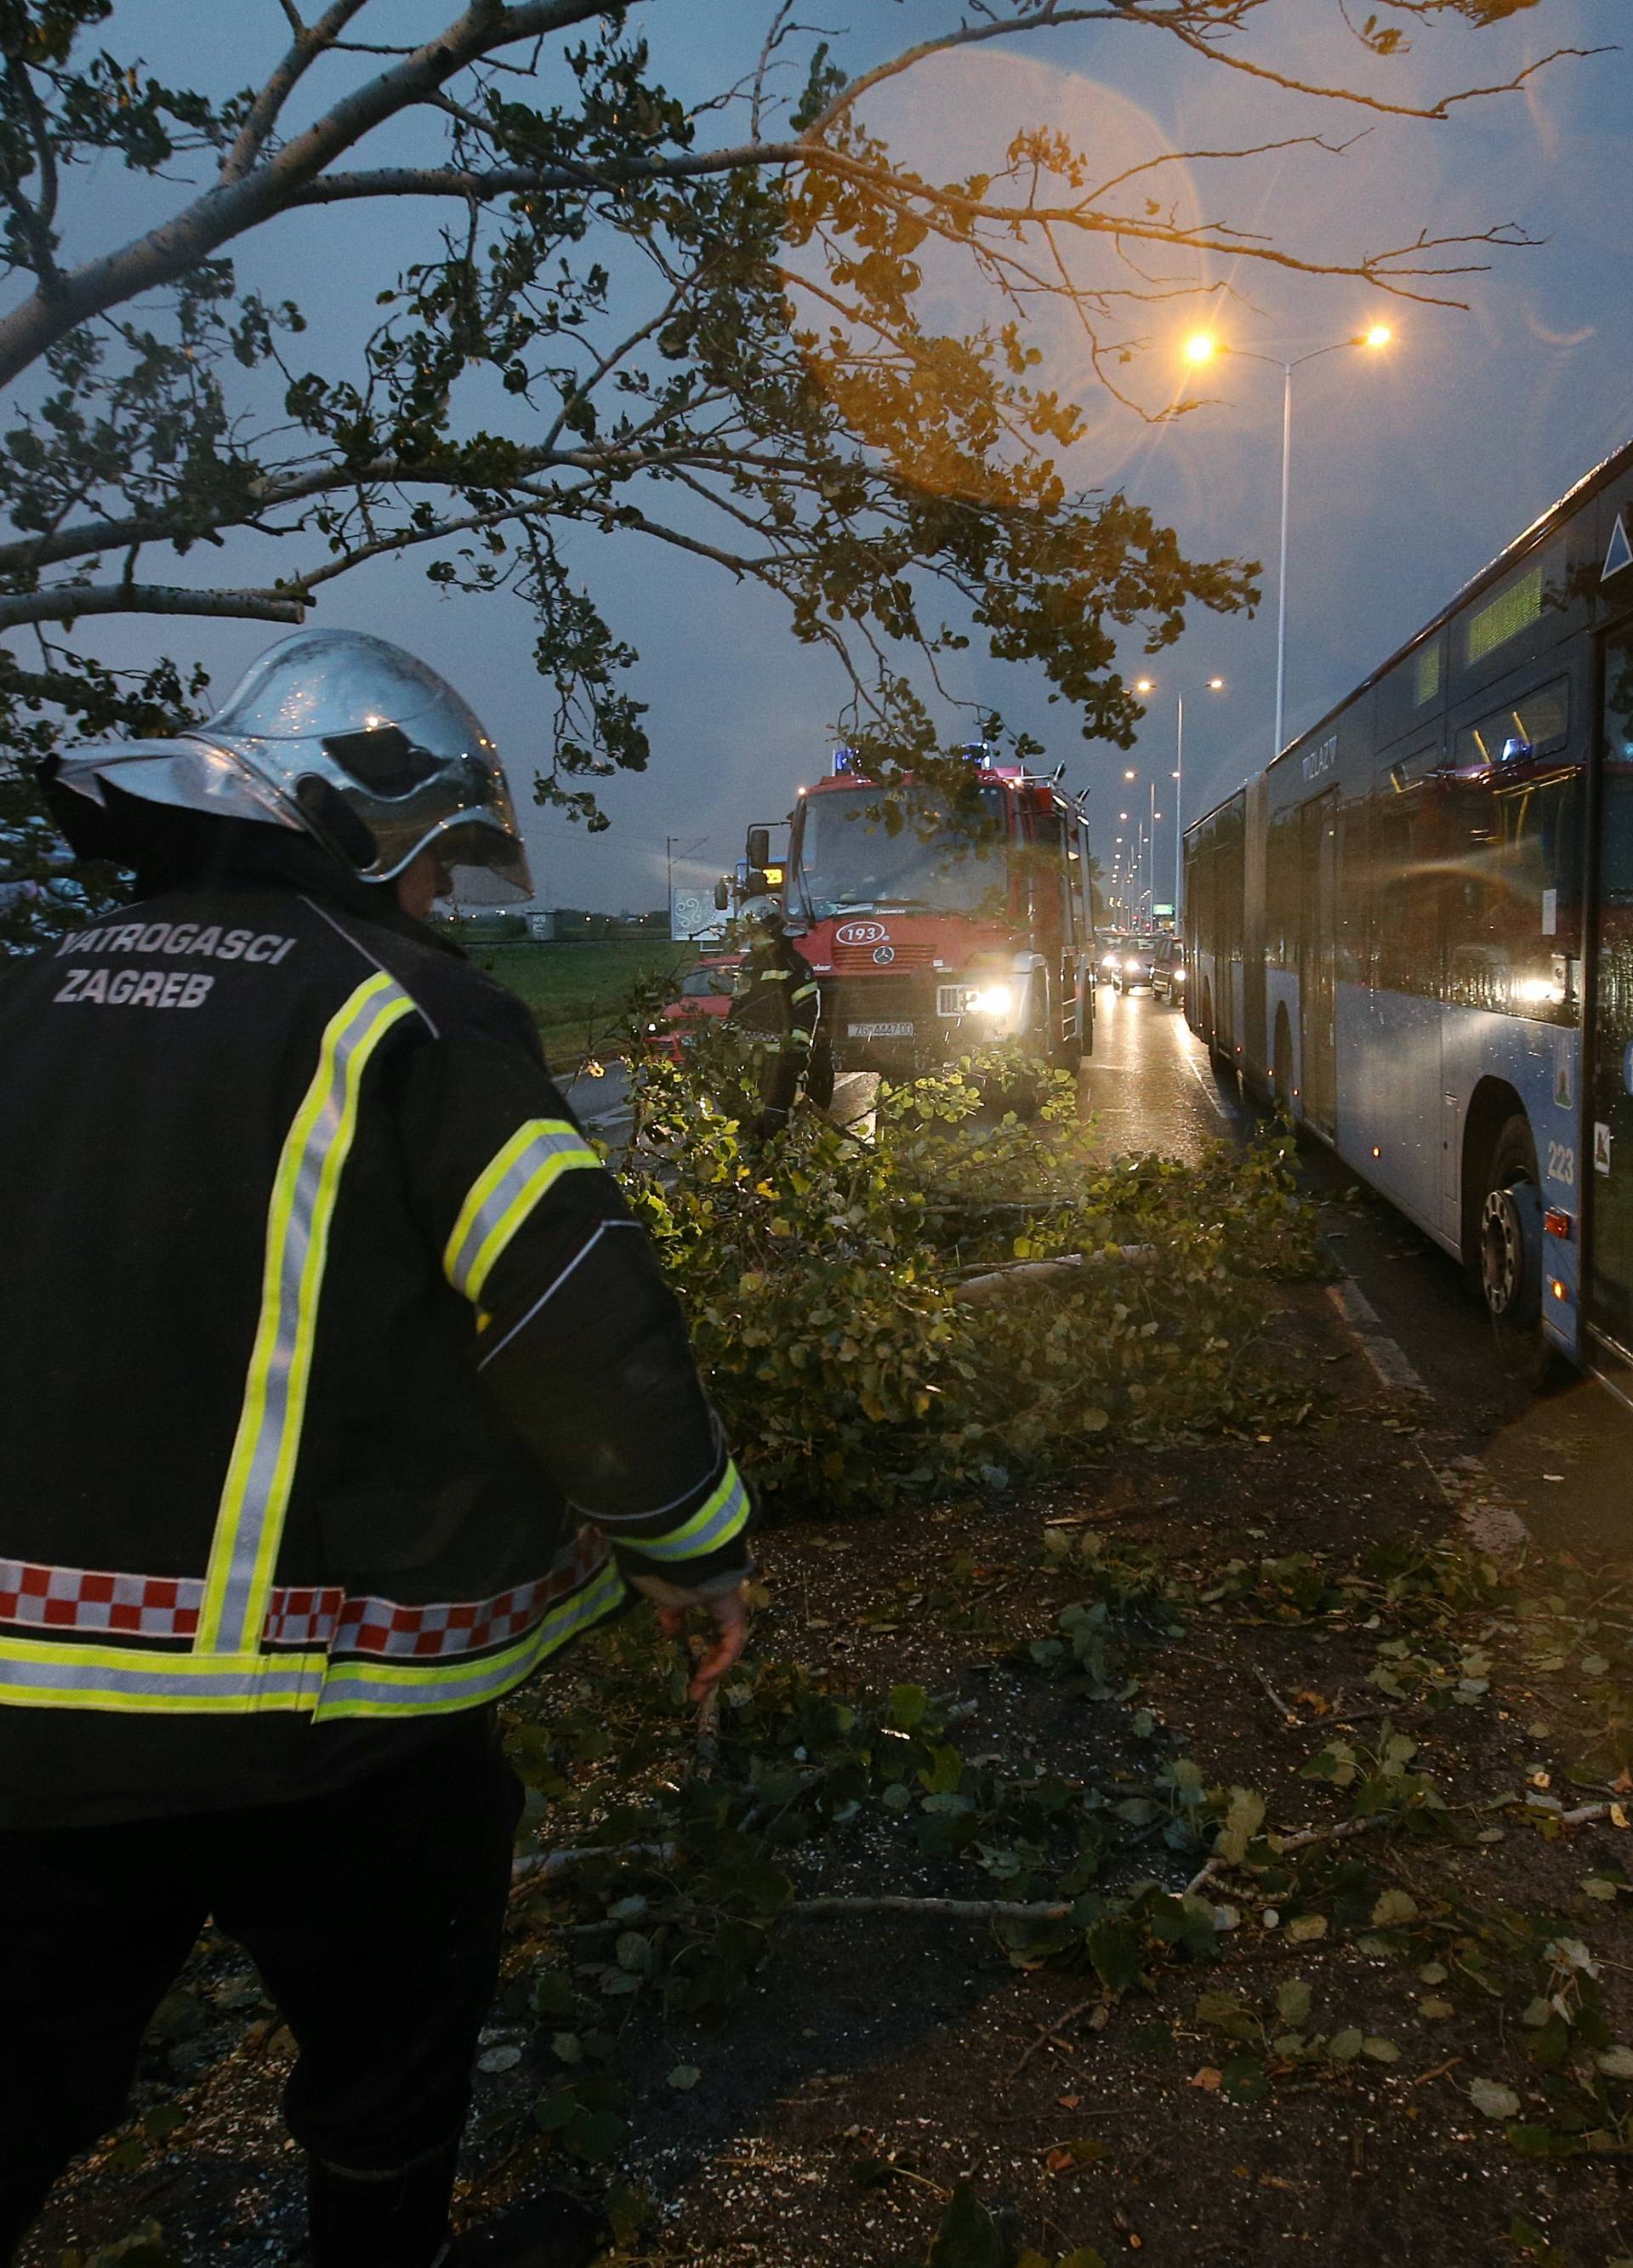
x=615 y=337
x=311 y=42
x=70 y=602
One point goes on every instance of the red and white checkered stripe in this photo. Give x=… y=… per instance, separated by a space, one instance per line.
x=82 y=1601
x=86 y=1600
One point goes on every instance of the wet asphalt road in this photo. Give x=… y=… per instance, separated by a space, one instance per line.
x=1562 y=1461
x=1148 y=1084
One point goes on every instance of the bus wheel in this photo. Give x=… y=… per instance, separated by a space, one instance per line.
x=1509 y=1260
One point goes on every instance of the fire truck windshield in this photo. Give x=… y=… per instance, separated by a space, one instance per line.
x=852 y=859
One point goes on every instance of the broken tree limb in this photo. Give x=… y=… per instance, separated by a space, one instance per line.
x=545 y=1866
x=1340 y=1832
x=1025 y=1275
x=946 y=1909
x=1585 y=1814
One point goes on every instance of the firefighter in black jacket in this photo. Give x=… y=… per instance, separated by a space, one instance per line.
x=343 y=1391
x=778 y=1002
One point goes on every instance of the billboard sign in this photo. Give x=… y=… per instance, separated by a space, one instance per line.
x=694 y=916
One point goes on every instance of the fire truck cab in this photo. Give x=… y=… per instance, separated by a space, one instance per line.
x=932 y=931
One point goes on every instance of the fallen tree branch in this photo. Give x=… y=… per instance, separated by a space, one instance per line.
x=948 y=1909
x=545 y=1866
x=1585 y=1816
x=1011 y=1275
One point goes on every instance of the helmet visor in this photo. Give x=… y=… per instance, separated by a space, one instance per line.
x=486 y=865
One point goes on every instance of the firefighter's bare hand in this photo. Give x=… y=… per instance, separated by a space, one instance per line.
x=728 y=1617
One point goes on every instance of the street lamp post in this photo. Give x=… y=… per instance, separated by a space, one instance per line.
x=1149 y=685
x=669 y=843
x=1202 y=349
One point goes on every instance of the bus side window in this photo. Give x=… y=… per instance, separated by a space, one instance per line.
x=1615 y=858
x=1406 y=870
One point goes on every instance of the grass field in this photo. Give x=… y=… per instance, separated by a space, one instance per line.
x=576 y=992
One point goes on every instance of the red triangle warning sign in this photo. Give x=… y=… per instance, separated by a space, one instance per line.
x=1621 y=552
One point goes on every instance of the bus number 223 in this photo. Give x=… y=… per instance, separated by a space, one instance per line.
x=1562 y=1164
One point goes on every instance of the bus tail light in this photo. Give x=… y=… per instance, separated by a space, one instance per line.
x=1559 y=1290
x=1556 y=1221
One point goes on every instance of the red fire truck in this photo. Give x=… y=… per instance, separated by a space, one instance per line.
x=933 y=930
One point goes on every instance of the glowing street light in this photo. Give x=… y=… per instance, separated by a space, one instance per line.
x=1202 y=348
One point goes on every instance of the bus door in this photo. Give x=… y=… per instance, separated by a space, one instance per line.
x=1318 y=944
x=1608 y=1131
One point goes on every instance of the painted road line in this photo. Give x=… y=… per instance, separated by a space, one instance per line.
x=1204 y=1079
x=1388 y=1360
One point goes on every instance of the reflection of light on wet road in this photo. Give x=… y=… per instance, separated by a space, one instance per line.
x=1149 y=1085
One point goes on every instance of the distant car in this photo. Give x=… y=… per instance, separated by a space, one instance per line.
x=1110 y=947
x=705 y=992
x=1168 y=971
x=1136 y=960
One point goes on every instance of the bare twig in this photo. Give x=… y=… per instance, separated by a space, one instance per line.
x=1291 y=1715
x=1050 y=2034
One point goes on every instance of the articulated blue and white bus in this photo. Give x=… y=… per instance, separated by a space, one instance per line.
x=1414 y=931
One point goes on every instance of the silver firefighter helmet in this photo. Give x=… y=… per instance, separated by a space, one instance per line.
x=346 y=738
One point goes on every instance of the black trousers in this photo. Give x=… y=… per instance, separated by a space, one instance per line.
x=374 y=1914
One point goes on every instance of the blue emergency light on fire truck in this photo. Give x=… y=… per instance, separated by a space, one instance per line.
x=936 y=925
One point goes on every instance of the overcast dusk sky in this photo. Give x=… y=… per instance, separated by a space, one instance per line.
x=1412 y=470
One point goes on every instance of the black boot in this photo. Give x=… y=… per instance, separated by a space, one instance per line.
x=552 y=2231
x=387 y=2220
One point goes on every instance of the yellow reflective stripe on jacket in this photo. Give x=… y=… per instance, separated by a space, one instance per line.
x=54 y=1674
x=504 y=1193
x=723 y=1515
x=261 y=1473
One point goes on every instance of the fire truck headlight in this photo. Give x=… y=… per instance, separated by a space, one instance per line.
x=993 y=1000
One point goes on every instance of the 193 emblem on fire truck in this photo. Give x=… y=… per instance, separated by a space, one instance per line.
x=884 y=955
x=860 y=932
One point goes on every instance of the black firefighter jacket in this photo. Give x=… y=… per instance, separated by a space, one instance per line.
x=339 y=1386
x=778 y=1002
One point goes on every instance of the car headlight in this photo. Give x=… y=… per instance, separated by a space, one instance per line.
x=1131 y=967
x=993 y=1000
x=1109 y=960
x=1177 y=977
